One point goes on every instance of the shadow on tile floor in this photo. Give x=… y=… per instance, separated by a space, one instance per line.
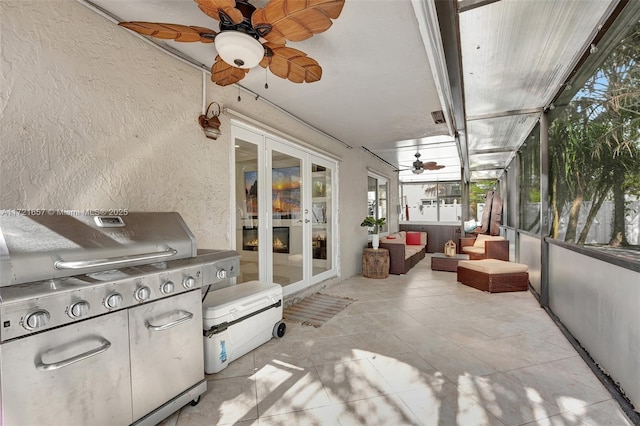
x=414 y=349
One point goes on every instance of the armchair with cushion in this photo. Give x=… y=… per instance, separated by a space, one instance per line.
x=485 y=247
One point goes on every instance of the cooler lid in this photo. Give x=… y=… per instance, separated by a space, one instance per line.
x=240 y=297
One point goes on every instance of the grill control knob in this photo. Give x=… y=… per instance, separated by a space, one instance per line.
x=221 y=274
x=36 y=320
x=189 y=282
x=167 y=287
x=142 y=294
x=113 y=301
x=79 y=309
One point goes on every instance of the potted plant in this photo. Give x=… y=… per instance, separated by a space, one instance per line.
x=371 y=222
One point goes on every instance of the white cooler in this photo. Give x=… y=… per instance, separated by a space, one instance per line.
x=238 y=319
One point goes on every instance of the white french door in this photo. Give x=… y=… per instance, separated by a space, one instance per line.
x=285 y=211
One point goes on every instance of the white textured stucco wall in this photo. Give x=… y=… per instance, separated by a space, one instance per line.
x=92 y=117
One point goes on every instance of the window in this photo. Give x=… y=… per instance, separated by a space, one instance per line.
x=377 y=199
x=477 y=197
x=594 y=145
x=530 y=183
x=431 y=202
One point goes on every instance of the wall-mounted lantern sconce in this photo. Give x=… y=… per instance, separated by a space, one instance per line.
x=211 y=124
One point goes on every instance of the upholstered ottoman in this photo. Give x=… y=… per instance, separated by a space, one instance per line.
x=493 y=275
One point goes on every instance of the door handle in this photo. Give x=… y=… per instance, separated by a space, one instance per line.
x=114 y=261
x=187 y=317
x=56 y=365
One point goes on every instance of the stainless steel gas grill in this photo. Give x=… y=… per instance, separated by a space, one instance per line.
x=101 y=317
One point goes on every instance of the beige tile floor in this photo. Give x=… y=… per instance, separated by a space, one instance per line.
x=416 y=349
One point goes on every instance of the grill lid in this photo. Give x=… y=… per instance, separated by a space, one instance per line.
x=41 y=247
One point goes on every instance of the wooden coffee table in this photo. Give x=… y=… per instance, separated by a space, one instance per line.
x=440 y=262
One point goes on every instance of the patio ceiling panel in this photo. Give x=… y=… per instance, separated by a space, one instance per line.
x=516 y=56
x=485 y=175
x=443 y=153
x=500 y=133
x=444 y=175
x=485 y=161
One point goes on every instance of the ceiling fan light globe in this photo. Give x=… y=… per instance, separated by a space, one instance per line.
x=417 y=171
x=239 y=49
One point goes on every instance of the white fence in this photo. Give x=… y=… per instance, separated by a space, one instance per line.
x=602 y=226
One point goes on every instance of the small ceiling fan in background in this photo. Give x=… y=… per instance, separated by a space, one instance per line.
x=418 y=167
x=250 y=36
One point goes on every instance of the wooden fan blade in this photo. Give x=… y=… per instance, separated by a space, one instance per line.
x=224 y=74
x=175 y=32
x=296 y=20
x=291 y=64
x=432 y=165
x=212 y=7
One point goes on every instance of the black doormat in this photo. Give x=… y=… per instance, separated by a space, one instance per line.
x=316 y=310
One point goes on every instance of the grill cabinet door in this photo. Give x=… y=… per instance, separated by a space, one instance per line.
x=41 y=386
x=166 y=350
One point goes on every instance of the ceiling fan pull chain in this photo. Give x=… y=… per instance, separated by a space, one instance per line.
x=239 y=98
x=266 y=75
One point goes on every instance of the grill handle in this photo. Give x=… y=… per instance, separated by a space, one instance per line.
x=171 y=324
x=113 y=261
x=56 y=365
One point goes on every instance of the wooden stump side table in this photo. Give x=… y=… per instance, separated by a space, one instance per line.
x=375 y=263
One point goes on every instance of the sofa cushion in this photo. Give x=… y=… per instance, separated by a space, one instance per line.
x=392 y=239
x=479 y=242
x=413 y=238
x=473 y=249
x=397 y=238
x=410 y=250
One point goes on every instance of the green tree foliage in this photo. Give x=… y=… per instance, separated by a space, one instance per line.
x=477 y=194
x=595 y=144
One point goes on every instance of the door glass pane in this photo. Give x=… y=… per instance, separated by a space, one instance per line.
x=372 y=199
x=286 y=201
x=321 y=218
x=382 y=203
x=377 y=200
x=247 y=210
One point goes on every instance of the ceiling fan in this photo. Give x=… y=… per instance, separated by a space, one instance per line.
x=419 y=167
x=250 y=36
